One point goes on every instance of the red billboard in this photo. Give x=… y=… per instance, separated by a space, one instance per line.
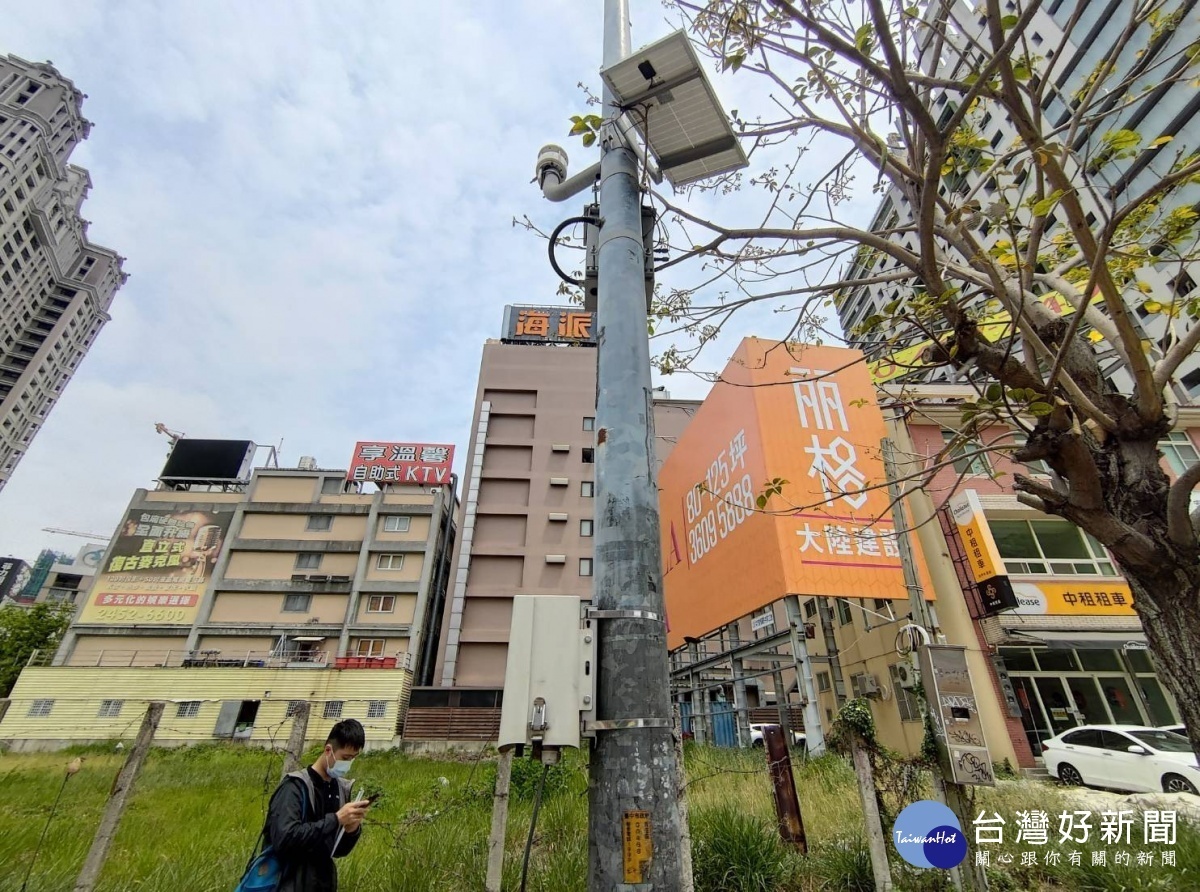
x=420 y=464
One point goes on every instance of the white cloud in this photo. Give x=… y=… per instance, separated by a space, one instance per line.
x=315 y=203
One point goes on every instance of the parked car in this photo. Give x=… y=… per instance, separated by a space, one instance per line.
x=756 y=734
x=1123 y=757
x=1177 y=729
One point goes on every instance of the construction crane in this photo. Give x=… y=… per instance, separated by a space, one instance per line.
x=93 y=536
x=172 y=435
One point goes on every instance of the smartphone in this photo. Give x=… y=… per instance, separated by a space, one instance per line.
x=371 y=799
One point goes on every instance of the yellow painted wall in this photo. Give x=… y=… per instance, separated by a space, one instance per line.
x=282 y=565
x=292 y=526
x=418 y=530
x=410 y=572
x=268 y=608
x=403 y=613
x=182 y=498
x=408 y=496
x=286 y=489
x=78 y=693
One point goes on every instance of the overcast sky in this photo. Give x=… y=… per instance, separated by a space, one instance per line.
x=315 y=203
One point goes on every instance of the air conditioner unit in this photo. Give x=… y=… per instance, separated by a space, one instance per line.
x=907 y=675
x=864 y=685
x=318 y=579
x=298 y=577
x=339 y=578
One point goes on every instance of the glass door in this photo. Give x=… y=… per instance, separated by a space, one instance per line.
x=1088 y=701
x=1056 y=702
x=1120 y=700
x=1033 y=718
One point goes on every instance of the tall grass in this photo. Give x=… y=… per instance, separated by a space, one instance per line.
x=196 y=813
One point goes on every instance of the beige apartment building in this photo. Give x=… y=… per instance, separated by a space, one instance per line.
x=526 y=520
x=237 y=595
x=55 y=285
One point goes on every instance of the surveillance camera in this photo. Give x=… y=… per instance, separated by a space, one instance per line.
x=551 y=160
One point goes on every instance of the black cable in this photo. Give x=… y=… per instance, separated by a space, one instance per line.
x=570 y=221
x=537 y=804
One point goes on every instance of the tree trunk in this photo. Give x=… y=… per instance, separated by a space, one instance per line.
x=1169 y=606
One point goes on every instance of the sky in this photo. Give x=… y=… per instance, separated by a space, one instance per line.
x=315 y=203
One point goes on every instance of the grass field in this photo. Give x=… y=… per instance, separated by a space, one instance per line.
x=196 y=812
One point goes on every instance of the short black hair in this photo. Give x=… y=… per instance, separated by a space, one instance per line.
x=347 y=732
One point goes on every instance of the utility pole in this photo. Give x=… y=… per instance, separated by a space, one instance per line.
x=295 y=744
x=634 y=828
x=951 y=794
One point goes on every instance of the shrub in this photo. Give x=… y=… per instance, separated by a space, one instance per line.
x=736 y=852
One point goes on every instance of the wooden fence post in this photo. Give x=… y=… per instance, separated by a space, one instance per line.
x=118 y=798
x=295 y=744
x=687 y=881
x=866 y=791
x=495 y=863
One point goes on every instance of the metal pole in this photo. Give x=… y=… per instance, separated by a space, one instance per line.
x=814 y=731
x=633 y=775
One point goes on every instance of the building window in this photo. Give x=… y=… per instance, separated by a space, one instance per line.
x=293 y=709
x=188 y=709
x=589 y=456
x=389 y=562
x=369 y=647
x=319 y=523
x=110 y=709
x=332 y=486
x=845 y=615
x=823 y=682
x=376 y=709
x=586 y=526
x=1179 y=451
x=397 y=523
x=381 y=603
x=587 y=489
x=308 y=561
x=585 y=566
x=333 y=709
x=1041 y=547
x=964 y=454
x=39 y=709
x=910 y=710
x=810 y=608
x=296 y=603
x=589 y=423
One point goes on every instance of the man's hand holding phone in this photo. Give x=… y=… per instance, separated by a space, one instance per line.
x=350 y=816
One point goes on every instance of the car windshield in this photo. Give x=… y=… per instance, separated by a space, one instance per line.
x=1163 y=741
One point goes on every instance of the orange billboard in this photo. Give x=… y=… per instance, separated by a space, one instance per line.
x=799 y=413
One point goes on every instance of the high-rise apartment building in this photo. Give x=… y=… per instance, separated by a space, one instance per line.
x=238 y=591
x=55 y=285
x=528 y=512
x=1069 y=42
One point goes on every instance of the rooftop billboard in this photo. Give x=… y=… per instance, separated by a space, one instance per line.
x=802 y=414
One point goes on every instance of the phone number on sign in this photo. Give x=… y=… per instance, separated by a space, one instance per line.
x=142 y=614
x=707 y=528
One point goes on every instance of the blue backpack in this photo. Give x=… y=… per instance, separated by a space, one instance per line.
x=264 y=870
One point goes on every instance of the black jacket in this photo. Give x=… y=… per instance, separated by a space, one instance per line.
x=304 y=840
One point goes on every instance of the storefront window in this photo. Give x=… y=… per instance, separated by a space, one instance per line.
x=1156 y=700
x=1051 y=660
x=1120 y=700
x=1140 y=660
x=1041 y=547
x=1018 y=659
x=1100 y=660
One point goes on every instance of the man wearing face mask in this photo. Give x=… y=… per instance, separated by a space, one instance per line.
x=311 y=807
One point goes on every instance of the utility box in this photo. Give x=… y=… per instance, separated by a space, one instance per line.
x=955 y=713
x=550 y=677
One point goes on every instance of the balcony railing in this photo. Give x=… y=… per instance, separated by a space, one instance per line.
x=218 y=659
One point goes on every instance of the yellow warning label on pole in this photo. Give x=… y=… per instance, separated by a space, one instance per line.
x=637 y=847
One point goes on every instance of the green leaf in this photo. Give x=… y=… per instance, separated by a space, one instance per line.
x=1009 y=21
x=1122 y=140
x=589 y=138
x=1021 y=70
x=1046 y=205
x=994 y=392
x=1039 y=409
x=862 y=38
x=761 y=501
x=580 y=126
x=1161 y=141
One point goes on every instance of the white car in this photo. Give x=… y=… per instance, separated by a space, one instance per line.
x=756 y=734
x=1123 y=757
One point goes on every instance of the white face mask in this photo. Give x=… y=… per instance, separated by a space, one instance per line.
x=340 y=767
